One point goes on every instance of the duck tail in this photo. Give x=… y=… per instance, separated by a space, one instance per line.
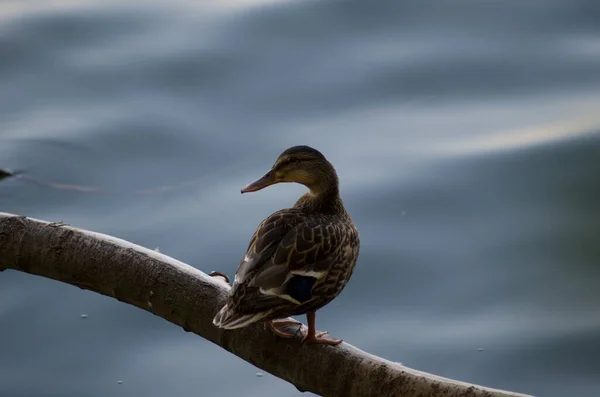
x=228 y=318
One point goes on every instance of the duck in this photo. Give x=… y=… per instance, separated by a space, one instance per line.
x=299 y=259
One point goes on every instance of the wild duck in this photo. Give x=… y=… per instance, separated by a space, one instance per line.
x=299 y=259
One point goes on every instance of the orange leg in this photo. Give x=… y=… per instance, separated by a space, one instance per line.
x=312 y=336
x=274 y=327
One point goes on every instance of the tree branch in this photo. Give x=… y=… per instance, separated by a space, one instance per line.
x=189 y=298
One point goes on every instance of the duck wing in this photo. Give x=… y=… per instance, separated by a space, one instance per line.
x=287 y=255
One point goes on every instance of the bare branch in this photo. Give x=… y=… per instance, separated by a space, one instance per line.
x=189 y=298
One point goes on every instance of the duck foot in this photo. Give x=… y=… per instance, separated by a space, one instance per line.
x=312 y=336
x=274 y=326
x=219 y=274
x=318 y=338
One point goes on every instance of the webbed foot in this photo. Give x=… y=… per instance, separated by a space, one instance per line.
x=312 y=336
x=219 y=274
x=320 y=337
x=274 y=326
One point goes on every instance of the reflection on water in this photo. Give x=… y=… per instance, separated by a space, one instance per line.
x=465 y=136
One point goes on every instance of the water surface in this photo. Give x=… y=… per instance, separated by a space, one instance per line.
x=466 y=136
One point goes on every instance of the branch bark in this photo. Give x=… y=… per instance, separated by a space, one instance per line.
x=189 y=298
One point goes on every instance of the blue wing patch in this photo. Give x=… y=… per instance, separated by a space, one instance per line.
x=300 y=287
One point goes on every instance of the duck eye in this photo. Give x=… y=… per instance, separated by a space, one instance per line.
x=293 y=160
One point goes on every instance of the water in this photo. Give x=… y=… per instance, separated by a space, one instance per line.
x=466 y=136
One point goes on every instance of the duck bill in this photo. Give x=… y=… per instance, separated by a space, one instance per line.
x=267 y=180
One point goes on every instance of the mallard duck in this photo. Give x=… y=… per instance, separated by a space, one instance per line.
x=299 y=259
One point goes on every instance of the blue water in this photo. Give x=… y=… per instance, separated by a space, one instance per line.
x=467 y=139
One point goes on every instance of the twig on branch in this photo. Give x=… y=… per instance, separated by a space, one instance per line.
x=189 y=298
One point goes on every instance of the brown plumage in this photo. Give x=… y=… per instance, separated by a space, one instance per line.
x=300 y=258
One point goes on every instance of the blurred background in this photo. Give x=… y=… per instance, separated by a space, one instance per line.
x=467 y=139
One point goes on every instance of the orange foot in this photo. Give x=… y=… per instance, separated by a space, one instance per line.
x=274 y=326
x=312 y=336
x=319 y=337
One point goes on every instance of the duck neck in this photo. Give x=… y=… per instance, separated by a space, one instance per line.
x=323 y=197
